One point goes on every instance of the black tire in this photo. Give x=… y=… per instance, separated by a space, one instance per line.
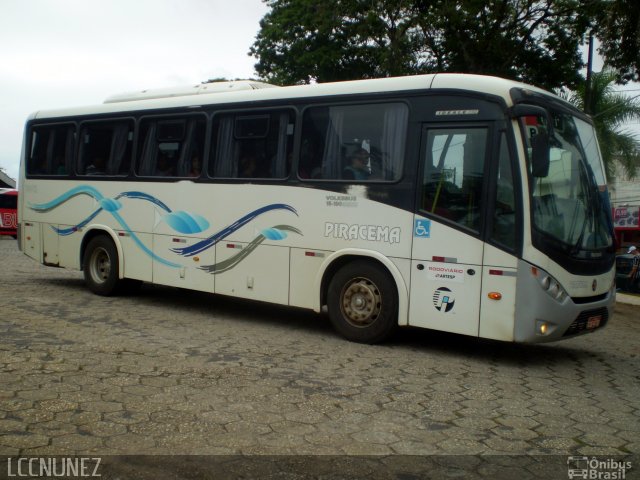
x=129 y=286
x=363 y=302
x=100 y=266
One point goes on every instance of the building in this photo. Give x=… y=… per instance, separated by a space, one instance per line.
x=625 y=203
x=6 y=181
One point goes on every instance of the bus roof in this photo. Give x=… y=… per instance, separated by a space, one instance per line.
x=164 y=99
x=200 y=89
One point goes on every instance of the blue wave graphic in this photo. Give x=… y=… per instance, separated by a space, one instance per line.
x=279 y=231
x=144 y=196
x=185 y=222
x=110 y=205
x=141 y=245
x=215 y=238
x=68 y=231
x=180 y=221
x=74 y=192
x=274 y=233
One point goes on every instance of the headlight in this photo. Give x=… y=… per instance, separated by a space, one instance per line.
x=549 y=285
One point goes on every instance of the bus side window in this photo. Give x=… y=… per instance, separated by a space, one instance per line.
x=105 y=148
x=52 y=149
x=252 y=145
x=357 y=143
x=171 y=147
x=37 y=163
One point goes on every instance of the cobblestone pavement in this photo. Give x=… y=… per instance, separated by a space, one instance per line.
x=168 y=371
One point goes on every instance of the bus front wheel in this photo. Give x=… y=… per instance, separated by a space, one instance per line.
x=362 y=302
x=100 y=266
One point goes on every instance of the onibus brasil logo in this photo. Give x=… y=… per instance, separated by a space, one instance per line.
x=597 y=469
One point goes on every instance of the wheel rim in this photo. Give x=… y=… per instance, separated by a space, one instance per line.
x=100 y=265
x=361 y=302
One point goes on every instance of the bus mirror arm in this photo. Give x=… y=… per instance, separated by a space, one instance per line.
x=525 y=110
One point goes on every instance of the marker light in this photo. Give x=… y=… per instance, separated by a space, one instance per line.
x=495 y=295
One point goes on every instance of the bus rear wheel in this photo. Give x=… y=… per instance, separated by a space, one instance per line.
x=100 y=266
x=363 y=302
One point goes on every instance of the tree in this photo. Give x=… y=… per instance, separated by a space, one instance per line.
x=610 y=110
x=532 y=41
x=536 y=41
x=618 y=29
x=330 y=40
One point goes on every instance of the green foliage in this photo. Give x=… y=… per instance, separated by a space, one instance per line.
x=610 y=111
x=309 y=40
x=329 y=40
x=533 y=41
x=617 y=26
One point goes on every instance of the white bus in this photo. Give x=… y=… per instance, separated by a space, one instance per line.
x=460 y=203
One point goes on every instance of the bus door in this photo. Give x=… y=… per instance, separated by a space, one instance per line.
x=447 y=252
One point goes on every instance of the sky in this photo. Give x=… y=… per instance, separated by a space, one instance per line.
x=67 y=53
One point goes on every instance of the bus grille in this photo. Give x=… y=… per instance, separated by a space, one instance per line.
x=580 y=324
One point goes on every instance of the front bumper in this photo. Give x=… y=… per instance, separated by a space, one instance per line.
x=540 y=318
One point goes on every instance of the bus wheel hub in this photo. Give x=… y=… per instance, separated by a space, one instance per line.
x=361 y=302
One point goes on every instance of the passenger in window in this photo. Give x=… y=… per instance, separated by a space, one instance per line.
x=196 y=166
x=96 y=167
x=248 y=166
x=378 y=170
x=41 y=166
x=359 y=166
x=165 y=166
x=60 y=167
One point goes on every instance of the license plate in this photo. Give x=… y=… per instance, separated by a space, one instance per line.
x=594 y=322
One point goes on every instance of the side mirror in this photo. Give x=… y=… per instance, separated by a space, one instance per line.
x=540 y=144
x=540 y=155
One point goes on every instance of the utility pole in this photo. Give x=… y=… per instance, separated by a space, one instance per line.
x=587 y=90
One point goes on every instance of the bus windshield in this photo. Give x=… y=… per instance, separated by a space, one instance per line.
x=570 y=202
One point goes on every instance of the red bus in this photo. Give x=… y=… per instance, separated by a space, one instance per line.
x=9 y=212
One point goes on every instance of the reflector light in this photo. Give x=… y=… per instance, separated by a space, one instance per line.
x=495 y=295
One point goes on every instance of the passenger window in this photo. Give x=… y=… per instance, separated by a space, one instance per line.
x=106 y=148
x=503 y=229
x=453 y=174
x=353 y=142
x=171 y=147
x=252 y=145
x=52 y=148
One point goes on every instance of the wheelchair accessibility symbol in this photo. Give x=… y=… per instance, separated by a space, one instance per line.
x=422 y=228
